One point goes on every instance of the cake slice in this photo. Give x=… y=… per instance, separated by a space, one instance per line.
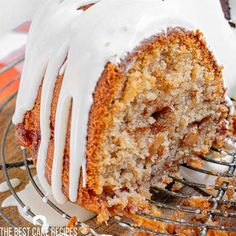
x=114 y=98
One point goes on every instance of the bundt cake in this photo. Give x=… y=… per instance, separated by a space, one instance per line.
x=115 y=94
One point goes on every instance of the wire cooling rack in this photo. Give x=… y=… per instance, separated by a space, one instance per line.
x=163 y=199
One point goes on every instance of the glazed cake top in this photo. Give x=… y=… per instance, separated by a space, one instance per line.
x=84 y=42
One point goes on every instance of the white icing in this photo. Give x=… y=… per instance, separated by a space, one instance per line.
x=84 y=172
x=38 y=207
x=105 y=32
x=14 y=182
x=49 y=39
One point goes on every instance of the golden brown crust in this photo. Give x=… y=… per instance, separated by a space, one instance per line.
x=110 y=82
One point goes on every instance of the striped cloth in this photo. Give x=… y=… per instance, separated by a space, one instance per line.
x=12 y=47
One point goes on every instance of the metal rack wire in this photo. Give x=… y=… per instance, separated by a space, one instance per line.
x=204 y=226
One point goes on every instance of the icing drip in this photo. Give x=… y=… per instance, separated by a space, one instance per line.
x=60 y=31
x=44 y=58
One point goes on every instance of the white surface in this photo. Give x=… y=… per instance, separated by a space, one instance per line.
x=15 y=12
x=14 y=182
x=39 y=207
x=11 y=42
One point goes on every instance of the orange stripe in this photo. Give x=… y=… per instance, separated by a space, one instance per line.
x=5 y=78
x=6 y=81
x=9 y=91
